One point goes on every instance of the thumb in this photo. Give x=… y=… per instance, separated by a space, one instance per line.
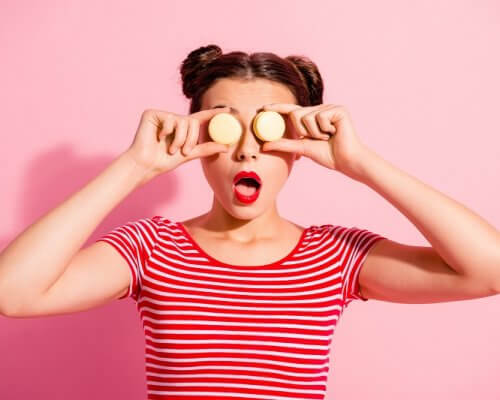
x=286 y=145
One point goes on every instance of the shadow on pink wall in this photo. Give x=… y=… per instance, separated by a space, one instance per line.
x=99 y=352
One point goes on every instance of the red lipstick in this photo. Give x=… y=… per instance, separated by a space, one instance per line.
x=253 y=180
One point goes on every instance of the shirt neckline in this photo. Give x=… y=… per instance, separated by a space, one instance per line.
x=218 y=262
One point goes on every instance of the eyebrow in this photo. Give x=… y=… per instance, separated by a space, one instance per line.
x=234 y=110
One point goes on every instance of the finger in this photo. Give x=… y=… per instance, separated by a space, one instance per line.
x=192 y=135
x=180 y=135
x=309 y=121
x=339 y=118
x=282 y=108
x=296 y=118
x=208 y=149
x=286 y=145
x=168 y=124
x=323 y=120
x=205 y=115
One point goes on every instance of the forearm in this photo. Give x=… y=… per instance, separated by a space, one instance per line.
x=465 y=241
x=38 y=256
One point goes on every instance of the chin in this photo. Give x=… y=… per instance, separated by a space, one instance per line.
x=245 y=212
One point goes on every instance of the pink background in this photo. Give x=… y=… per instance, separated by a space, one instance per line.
x=421 y=83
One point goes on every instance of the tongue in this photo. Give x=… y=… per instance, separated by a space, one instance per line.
x=245 y=189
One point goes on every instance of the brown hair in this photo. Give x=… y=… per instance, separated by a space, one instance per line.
x=203 y=66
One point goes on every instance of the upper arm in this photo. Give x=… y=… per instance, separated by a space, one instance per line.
x=402 y=273
x=96 y=275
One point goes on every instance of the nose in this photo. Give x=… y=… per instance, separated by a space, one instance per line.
x=248 y=147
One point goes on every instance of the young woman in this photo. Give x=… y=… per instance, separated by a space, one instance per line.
x=239 y=302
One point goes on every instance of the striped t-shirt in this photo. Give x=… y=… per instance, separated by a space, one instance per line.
x=220 y=331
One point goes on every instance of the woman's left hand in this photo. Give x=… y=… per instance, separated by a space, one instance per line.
x=323 y=133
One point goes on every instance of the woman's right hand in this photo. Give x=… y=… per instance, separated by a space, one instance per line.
x=165 y=140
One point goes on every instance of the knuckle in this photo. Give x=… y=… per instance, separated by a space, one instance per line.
x=321 y=116
x=322 y=120
x=177 y=142
x=168 y=126
x=309 y=119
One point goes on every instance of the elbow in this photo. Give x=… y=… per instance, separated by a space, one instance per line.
x=496 y=284
x=497 y=281
x=9 y=309
x=6 y=311
x=496 y=287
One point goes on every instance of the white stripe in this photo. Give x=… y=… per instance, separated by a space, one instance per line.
x=224 y=314
x=232 y=385
x=262 y=379
x=294 y=345
x=218 y=360
x=238 y=353
x=225 y=394
x=240 y=333
x=246 y=324
x=276 y=309
x=234 y=367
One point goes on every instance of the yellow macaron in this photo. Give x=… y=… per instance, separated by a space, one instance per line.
x=224 y=128
x=269 y=126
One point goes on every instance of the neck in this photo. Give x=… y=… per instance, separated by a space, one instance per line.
x=266 y=225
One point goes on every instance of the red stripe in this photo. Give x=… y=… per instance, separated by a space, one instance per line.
x=220 y=331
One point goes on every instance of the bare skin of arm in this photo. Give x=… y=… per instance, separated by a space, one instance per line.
x=44 y=270
x=38 y=256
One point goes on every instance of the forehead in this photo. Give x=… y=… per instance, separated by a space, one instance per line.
x=243 y=94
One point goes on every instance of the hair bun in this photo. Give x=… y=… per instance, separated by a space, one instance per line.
x=309 y=71
x=195 y=62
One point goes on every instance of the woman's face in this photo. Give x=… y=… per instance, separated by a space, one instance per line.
x=273 y=167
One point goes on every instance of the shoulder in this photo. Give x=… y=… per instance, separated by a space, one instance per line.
x=152 y=227
x=167 y=229
x=343 y=233
x=163 y=224
x=330 y=229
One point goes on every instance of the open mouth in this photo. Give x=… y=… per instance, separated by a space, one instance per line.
x=247 y=186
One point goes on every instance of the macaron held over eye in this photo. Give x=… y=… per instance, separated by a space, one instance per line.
x=224 y=128
x=269 y=126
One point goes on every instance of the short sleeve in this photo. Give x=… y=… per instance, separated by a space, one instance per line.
x=357 y=244
x=135 y=242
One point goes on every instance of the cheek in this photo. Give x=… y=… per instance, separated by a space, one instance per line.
x=284 y=161
x=280 y=167
x=215 y=170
